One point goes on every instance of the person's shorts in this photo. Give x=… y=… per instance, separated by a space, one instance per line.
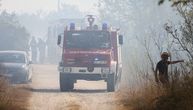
x=163 y=79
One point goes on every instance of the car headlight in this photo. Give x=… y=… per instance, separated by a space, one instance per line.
x=105 y=70
x=24 y=67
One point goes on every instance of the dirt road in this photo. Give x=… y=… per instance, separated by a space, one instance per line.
x=86 y=96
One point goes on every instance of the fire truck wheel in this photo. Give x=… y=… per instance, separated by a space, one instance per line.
x=111 y=83
x=66 y=84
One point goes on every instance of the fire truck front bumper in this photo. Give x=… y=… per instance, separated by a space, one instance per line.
x=97 y=73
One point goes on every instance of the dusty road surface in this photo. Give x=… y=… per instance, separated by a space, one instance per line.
x=86 y=96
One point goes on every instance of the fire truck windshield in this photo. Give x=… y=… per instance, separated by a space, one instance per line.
x=88 y=39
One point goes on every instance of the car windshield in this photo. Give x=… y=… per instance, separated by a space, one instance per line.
x=88 y=40
x=12 y=58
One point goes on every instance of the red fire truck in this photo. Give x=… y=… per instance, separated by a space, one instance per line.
x=90 y=54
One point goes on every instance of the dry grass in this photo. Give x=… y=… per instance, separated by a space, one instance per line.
x=179 y=96
x=12 y=97
x=139 y=98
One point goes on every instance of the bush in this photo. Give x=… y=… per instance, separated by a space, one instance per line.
x=179 y=96
x=13 y=36
x=12 y=98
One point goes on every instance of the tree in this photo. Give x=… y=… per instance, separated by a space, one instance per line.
x=37 y=23
x=183 y=33
x=66 y=12
x=136 y=18
x=176 y=2
x=0 y=4
x=13 y=36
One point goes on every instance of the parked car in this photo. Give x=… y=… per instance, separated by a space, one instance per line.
x=16 y=65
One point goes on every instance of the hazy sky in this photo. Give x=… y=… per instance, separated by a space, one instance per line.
x=45 y=5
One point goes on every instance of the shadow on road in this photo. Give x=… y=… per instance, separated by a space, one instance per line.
x=45 y=90
x=42 y=90
x=89 y=91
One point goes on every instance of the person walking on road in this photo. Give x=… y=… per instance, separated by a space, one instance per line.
x=33 y=45
x=42 y=50
x=162 y=68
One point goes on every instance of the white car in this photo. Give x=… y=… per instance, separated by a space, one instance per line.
x=16 y=65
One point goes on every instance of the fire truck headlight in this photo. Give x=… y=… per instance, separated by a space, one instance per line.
x=105 y=70
x=67 y=69
x=60 y=69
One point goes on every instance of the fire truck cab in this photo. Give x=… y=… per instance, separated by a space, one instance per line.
x=90 y=54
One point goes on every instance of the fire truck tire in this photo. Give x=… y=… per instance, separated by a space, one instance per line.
x=111 y=83
x=66 y=84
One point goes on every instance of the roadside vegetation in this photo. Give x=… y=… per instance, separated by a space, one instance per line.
x=12 y=97
x=13 y=36
x=149 y=95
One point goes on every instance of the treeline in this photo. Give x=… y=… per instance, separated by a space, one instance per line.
x=13 y=36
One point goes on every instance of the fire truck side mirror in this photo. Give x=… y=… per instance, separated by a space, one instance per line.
x=121 y=39
x=59 y=39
